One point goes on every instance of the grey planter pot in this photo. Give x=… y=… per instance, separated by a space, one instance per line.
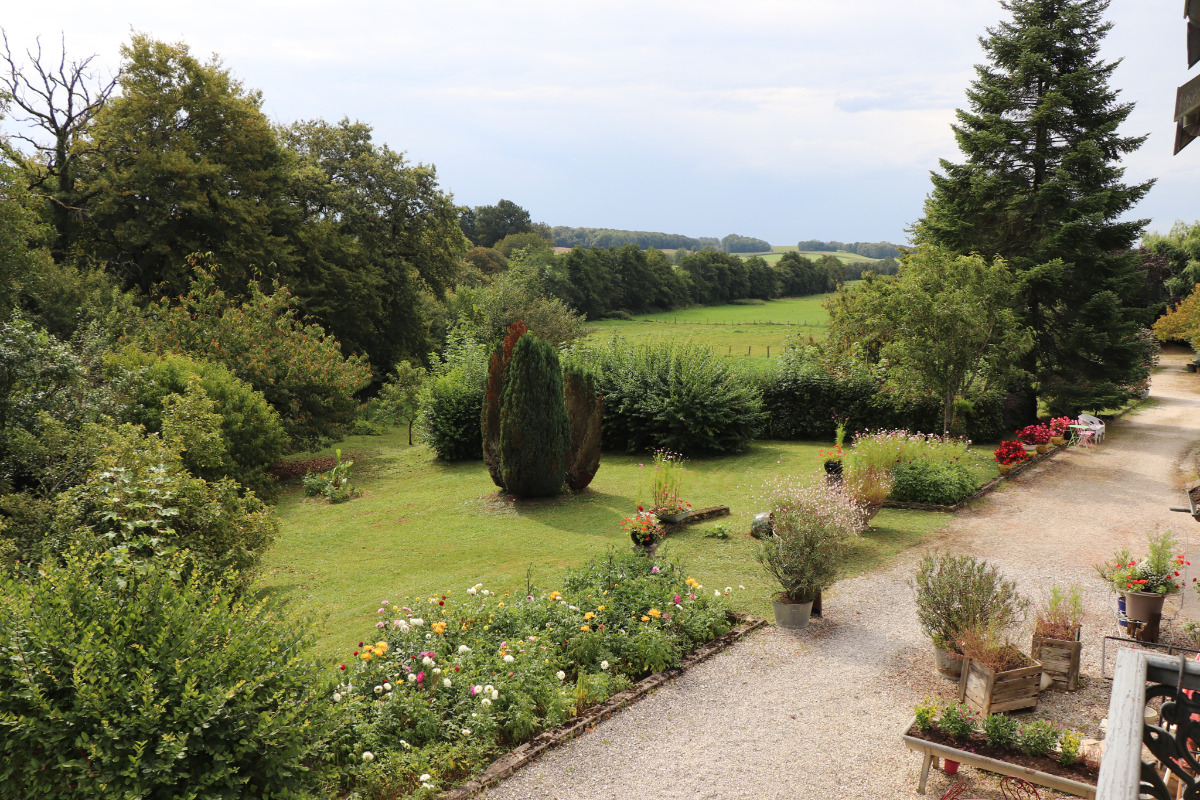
x=793 y=616
x=671 y=519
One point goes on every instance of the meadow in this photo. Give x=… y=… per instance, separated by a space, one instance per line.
x=752 y=332
x=426 y=528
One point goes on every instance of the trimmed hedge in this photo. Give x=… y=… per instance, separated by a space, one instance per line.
x=942 y=483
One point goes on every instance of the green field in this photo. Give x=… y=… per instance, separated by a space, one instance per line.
x=424 y=527
x=743 y=332
x=777 y=252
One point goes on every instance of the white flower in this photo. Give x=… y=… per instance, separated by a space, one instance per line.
x=368 y=756
x=466 y=731
x=405 y=745
x=437 y=670
x=387 y=687
x=485 y=702
x=473 y=714
x=508 y=659
x=603 y=665
x=427 y=661
x=728 y=589
x=446 y=682
x=412 y=678
x=401 y=624
x=573 y=608
x=485 y=592
x=428 y=636
x=562 y=676
x=716 y=592
x=337 y=697
x=378 y=690
x=424 y=777
x=495 y=694
x=487 y=689
x=416 y=622
x=462 y=648
x=679 y=606
x=472 y=591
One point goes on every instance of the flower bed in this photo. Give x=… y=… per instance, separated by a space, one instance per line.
x=449 y=686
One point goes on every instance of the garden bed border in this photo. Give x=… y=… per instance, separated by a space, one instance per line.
x=986 y=489
x=932 y=751
x=523 y=754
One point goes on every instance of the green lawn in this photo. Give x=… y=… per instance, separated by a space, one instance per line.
x=736 y=331
x=424 y=528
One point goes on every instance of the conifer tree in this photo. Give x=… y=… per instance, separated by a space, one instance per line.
x=1041 y=185
x=534 y=432
x=585 y=410
x=493 y=396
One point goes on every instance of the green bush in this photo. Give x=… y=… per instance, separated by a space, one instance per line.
x=1002 y=731
x=1039 y=737
x=957 y=721
x=333 y=485
x=121 y=683
x=585 y=410
x=137 y=498
x=961 y=593
x=535 y=434
x=449 y=685
x=678 y=397
x=451 y=401
x=933 y=482
x=253 y=434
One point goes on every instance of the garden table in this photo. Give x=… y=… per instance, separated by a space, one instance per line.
x=1082 y=435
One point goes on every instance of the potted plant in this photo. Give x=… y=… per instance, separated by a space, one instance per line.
x=666 y=484
x=1035 y=436
x=644 y=531
x=996 y=675
x=814 y=525
x=1144 y=583
x=1058 y=430
x=958 y=593
x=1008 y=454
x=1057 y=640
x=833 y=458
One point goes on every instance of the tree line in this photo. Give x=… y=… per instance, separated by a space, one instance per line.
x=866 y=249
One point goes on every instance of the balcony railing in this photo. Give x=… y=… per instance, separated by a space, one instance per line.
x=1140 y=678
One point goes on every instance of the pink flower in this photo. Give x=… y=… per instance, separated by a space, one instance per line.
x=420 y=676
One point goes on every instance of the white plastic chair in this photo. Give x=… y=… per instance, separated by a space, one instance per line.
x=1095 y=424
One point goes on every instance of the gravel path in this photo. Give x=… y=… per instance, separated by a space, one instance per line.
x=817 y=713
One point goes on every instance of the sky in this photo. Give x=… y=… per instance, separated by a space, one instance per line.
x=780 y=119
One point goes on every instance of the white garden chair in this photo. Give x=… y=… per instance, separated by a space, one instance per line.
x=1096 y=424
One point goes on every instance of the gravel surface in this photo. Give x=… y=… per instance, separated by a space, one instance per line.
x=818 y=713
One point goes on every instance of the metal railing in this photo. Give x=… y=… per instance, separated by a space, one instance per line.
x=1141 y=678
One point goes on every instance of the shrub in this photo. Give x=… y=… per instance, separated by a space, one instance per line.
x=493 y=399
x=333 y=485
x=535 y=434
x=936 y=483
x=585 y=411
x=1069 y=747
x=1034 y=434
x=925 y=713
x=814 y=525
x=253 y=435
x=957 y=593
x=298 y=368
x=448 y=685
x=1001 y=731
x=138 y=499
x=680 y=397
x=1039 y=737
x=957 y=721
x=120 y=682
x=451 y=401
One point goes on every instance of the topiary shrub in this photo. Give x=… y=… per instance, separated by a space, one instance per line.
x=678 y=397
x=933 y=482
x=585 y=410
x=535 y=434
x=120 y=680
x=493 y=395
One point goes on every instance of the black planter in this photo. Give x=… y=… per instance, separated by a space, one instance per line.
x=833 y=467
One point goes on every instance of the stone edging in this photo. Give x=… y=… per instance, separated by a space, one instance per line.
x=529 y=751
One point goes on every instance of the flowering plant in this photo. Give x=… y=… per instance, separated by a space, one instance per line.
x=1009 y=453
x=1157 y=572
x=1058 y=426
x=643 y=528
x=1034 y=434
x=666 y=482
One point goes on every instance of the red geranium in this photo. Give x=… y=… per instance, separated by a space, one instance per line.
x=1010 y=453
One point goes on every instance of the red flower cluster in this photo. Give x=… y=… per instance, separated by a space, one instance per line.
x=1059 y=425
x=1009 y=452
x=1034 y=434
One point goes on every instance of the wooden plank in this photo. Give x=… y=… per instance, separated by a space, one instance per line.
x=1013 y=705
x=1122 y=763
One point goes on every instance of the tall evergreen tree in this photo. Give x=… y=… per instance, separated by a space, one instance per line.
x=1041 y=186
x=534 y=432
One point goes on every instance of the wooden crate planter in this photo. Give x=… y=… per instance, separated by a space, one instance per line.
x=1059 y=659
x=989 y=692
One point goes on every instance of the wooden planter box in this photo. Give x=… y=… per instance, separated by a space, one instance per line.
x=1059 y=659
x=990 y=692
x=932 y=751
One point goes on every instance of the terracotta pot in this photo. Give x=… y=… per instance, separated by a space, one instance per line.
x=793 y=616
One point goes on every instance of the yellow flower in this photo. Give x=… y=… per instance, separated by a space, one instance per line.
x=589 y=615
x=585 y=627
x=692 y=582
x=438 y=627
x=366 y=655
x=555 y=595
x=485 y=627
x=381 y=647
x=599 y=608
x=654 y=612
x=645 y=618
x=502 y=604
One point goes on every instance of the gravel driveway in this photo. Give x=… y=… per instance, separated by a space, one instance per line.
x=816 y=714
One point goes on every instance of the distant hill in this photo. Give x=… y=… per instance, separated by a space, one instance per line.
x=868 y=249
x=608 y=237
